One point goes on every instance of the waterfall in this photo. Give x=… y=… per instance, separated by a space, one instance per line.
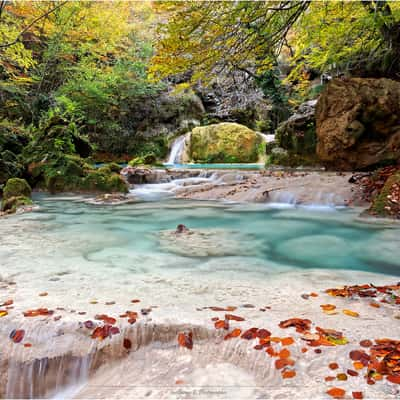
x=267 y=138
x=176 y=150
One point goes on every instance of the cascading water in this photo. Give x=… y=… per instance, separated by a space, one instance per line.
x=178 y=146
x=267 y=138
x=176 y=150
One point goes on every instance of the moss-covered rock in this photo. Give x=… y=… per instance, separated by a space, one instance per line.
x=99 y=182
x=11 y=204
x=16 y=187
x=278 y=156
x=148 y=159
x=16 y=193
x=387 y=202
x=224 y=143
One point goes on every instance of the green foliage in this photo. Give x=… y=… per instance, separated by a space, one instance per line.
x=355 y=36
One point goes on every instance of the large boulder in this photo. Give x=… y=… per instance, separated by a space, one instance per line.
x=358 y=123
x=16 y=193
x=224 y=143
x=297 y=137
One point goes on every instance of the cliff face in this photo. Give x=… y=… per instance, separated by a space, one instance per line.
x=358 y=123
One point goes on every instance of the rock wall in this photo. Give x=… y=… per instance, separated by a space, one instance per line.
x=358 y=123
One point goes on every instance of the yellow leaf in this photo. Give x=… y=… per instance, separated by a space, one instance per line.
x=351 y=313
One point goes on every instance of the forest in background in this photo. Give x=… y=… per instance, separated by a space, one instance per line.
x=111 y=81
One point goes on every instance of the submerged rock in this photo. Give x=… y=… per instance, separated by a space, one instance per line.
x=358 y=123
x=206 y=242
x=111 y=199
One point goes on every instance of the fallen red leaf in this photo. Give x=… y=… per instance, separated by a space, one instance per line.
x=250 y=334
x=394 y=379
x=301 y=325
x=232 y=317
x=127 y=344
x=17 y=335
x=336 y=393
x=185 y=339
x=288 y=374
x=235 y=333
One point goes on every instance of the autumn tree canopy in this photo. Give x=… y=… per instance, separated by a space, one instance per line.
x=359 y=36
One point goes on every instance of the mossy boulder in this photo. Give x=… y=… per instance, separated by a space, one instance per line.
x=71 y=173
x=11 y=204
x=387 y=202
x=224 y=143
x=99 y=182
x=148 y=159
x=16 y=193
x=16 y=187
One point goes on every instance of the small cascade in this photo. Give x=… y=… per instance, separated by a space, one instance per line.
x=267 y=138
x=176 y=150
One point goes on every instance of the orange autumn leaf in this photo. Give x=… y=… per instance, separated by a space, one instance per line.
x=351 y=313
x=271 y=351
x=185 y=339
x=250 y=334
x=17 y=335
x=287 y=341
x=333 y=366
x=106 y=319
x=394 y=379
x=300 y=324
x=235 y=333
x=328 y=307
x=263 y=334
x=336 y=393
x=228 y=308
x=231 y=317
x=357 y=395
x=283 y=362
x=38 y=312
x=358 y=365
x=221 y=324
x=288 y=374
x=373 y=304
x=275 y=339
x=284 y=353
